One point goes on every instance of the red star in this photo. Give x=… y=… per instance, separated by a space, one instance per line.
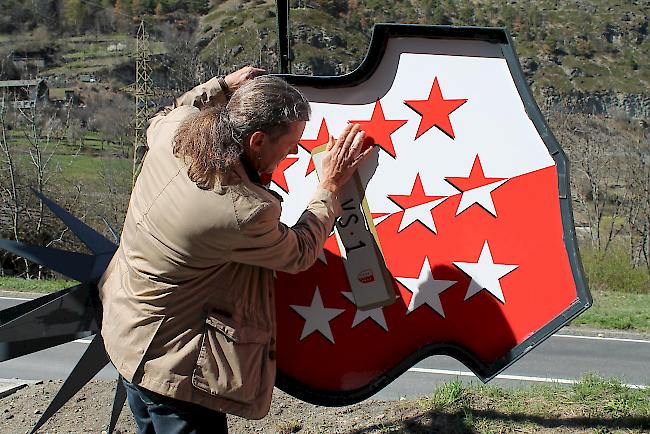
x=435 y=111
x=309 y=145
x=476 y=178
x=378 y=215
x=417 y=196
x=278 y=174
x=380 y=129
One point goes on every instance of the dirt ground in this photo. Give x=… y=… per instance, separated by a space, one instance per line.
x=89 y=412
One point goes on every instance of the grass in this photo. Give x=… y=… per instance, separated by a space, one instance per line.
x=87 y=170
x=289 y=427
x=445 y=396
x=617 y=310
x=92 y=141
x=33 y=285
x=593 y=405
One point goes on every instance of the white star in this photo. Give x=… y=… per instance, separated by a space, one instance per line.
x=377 y=314
x=480 y=195
x=425 y=289
x=317 y=317
x=485 y=274
x=422 y=213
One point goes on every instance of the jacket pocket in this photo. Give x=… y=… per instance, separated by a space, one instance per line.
x=232 y=359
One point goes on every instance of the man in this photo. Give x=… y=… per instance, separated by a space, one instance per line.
x=189 y=317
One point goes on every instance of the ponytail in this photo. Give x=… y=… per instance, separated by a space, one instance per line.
x=212 y=142
x=206 y=143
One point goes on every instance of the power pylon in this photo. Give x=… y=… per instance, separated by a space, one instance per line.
x=143 y=92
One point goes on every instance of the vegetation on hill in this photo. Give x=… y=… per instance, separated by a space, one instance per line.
x=570 y=46
x=586 y=45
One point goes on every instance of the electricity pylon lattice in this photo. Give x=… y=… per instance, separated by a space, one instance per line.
x=143 y=93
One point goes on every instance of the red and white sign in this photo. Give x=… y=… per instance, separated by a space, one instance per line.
x=465 y=201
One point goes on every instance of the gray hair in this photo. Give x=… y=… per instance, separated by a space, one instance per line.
x=212 y=142
x=267 y=104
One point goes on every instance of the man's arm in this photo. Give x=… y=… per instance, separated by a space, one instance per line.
x=204 y=95
x=266 y=242
x=217 y=89
x=214 y=91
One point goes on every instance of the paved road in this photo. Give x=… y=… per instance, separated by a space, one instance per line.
x=564 y=357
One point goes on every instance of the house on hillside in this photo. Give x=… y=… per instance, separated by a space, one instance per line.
x=87 y=78
x=22 y=93
x=63 y=97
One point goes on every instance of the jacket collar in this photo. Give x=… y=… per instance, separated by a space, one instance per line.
x=240 y=171
x=251 y=172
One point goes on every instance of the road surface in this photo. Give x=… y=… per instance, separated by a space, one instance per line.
x=563 y=358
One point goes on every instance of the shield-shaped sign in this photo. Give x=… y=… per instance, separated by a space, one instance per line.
x=467 y=198
x=465 y=203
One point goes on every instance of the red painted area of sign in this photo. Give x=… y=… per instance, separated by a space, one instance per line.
x=368 y=142
x=435 y=111
x=527 y=233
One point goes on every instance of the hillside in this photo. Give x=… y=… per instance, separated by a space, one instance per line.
x=593 y=53
x=589 y=45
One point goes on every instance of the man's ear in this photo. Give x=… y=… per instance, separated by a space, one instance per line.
x=257 y=140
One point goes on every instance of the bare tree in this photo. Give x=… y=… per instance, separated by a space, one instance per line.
x=610 y=179
x=598 y=184
x=11 y=204
x=638 y=215
x=30 y=138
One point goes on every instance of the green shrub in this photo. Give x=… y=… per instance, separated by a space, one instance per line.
x=612 y=270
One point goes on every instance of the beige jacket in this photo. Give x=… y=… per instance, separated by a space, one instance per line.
x=188 y=297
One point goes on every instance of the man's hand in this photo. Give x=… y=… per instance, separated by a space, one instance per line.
x=236 y=79
x=344 y=157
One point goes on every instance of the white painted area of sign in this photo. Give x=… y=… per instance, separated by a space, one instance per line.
x=501 y=131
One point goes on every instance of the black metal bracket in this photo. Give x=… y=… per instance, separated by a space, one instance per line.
x=284 y=38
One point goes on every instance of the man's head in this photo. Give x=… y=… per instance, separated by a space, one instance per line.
x=264 y=119
x=268 y=117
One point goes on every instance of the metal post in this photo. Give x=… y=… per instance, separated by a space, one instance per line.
x=283 y=36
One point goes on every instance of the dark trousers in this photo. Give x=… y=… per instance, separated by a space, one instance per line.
x=158 y=414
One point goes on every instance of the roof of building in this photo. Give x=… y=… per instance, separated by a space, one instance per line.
x=21 y=83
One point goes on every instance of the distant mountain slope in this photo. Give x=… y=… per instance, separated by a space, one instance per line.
x=580 y=49
x=595 y=54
